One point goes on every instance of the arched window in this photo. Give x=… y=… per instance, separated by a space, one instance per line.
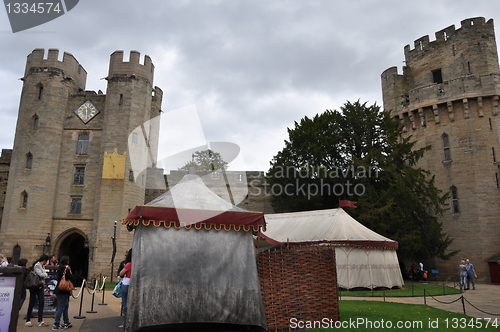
x=29 y=160
x=454 y=199
x=35 y=122
x=446 y=147
x=24 y=200
x=16 y=254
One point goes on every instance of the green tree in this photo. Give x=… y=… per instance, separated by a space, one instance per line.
x=359 y=154
x=206 y=160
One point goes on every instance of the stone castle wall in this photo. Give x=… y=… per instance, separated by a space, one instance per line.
x=447 y=97
x=48 y=131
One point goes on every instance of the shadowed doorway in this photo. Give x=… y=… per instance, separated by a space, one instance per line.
x=74 y=247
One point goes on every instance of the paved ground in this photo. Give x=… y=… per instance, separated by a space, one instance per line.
x=107 y=318
x=484 y=297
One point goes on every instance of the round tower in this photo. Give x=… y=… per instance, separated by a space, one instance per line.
x=447 y=97
x=34 y=168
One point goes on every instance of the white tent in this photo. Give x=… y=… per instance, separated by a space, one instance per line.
x=364 y=257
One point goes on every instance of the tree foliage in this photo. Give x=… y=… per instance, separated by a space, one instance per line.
x=206 y=160
x=358 y=154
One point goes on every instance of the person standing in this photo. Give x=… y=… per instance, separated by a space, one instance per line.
x=63 y=296
x=471 y=274
x=122 y=264
x=52 y=260
x=38 y=269
x=125 y=273
x=463 y=274
x=3 y=261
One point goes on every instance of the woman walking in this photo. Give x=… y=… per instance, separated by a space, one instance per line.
x=63 y=296
x=463 y=274
x=125 y=274
x=37 y=293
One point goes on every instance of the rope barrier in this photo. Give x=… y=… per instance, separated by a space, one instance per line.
x=95 y=287
x=485 y=312
x=103 y=282
x=464 y=299
x=80 y=291
x=443 y=301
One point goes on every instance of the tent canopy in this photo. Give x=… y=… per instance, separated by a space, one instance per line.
x=191 y=204
x=364 y=258
x=332 y=226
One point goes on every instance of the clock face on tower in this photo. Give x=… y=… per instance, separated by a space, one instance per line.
x=86 y=111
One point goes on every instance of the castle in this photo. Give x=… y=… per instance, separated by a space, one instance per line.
x=447 y=97
x=82 y=160
x=70 y=173
x=69 y=177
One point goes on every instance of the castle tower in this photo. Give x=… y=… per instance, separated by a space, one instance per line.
x=447 y=97
x=71 y=175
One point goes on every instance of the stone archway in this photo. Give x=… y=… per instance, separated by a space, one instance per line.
x=72 y=243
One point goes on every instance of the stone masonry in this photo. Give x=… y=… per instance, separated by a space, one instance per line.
x=71 y=175
x=447 y=97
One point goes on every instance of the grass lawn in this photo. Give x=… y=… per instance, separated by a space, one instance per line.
x=361 y=316
x=407 y=290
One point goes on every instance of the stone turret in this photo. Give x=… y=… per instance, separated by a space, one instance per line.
x=447 y=97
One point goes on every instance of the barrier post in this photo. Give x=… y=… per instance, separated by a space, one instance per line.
x=103 y=290
x=463 y=304
x=92 y=311
x=81 y=303
x=425 y=299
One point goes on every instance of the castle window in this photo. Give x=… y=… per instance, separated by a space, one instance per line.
x=83 y=144
x=437 y=76
x=131 y=175
x=76 y=205
x=468 y=67
x=79 y=175
x=454 y=199
x=491 y=126
x=29 y=160
x=35 y=122
x=493 y=153
x=496 y=177
x=24 y=200
x=16 y=254
x=40 y=91
x=446 y=147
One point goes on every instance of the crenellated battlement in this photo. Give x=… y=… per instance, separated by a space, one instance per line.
x=117 y=67
x=69 y=65
x=450 y=35
x=460 y=63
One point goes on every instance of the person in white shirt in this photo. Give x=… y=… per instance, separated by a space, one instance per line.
x=3 y=262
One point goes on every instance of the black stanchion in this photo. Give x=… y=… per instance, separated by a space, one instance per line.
x=463 y=304
x=425 y=299
x=91 y=311
x=103 y=291
x=81 y=303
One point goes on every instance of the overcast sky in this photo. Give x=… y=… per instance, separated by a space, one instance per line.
x=249 y=69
